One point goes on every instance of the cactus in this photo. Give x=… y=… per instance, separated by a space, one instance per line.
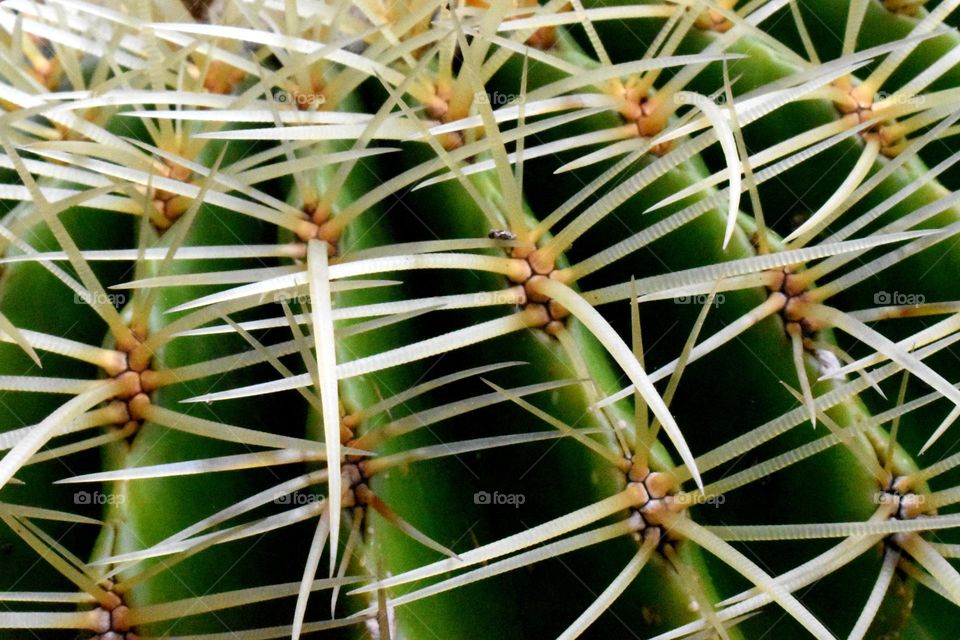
x=496 y=319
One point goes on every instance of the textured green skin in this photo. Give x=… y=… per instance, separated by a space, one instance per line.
x=492 y=602
x=30 y=296
x=574 y=476
x=700 y=376
x=801 y=190
x=764 y=66
x=914 y=275
x=413 y=491
x=879 y=27
x=154 y=509
x=763 y=354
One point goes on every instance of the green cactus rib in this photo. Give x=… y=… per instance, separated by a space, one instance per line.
x=584 y=477
x=34 y=297
x=388 y=503
x=879 y=26
x=751 y=69
x=857 y=503
x=151 y=510
x=373 y=313
x=903 y=181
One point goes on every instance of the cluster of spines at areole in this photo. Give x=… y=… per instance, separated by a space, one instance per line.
x=491 y=319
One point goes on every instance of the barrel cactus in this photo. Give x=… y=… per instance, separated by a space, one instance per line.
x=487 y=319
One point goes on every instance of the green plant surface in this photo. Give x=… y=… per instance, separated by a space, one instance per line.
x=585 y=479
x=30 y=292
x=483 y=320
x=767 y=343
